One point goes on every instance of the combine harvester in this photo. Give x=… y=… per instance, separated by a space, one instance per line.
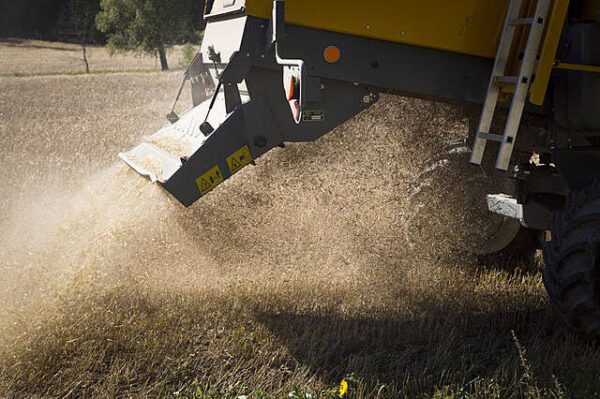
x=290 y=71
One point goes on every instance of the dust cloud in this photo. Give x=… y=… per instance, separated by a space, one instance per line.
x=392 y=203
x=105 y=280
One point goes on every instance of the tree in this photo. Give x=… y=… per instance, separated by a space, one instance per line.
x=148 y=26
x=76 y=23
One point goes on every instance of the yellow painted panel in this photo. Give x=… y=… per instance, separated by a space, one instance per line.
x=548 y=54
x=462 y=26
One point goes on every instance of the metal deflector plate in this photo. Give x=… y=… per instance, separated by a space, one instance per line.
x=161 y=154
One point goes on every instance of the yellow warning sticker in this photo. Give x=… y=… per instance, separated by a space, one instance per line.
x=239 y=159
x=210 y=180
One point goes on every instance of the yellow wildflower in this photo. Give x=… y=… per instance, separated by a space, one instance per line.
x=343 y=387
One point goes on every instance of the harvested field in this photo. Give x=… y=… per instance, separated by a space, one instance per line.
x=290 y=276
x=33 y=57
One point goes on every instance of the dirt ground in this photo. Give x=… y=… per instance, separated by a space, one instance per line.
x=288 y=277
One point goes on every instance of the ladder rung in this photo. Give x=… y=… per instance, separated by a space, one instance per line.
x=489 y=136
x=506 y=79
x=521 y=21
x=518 y=85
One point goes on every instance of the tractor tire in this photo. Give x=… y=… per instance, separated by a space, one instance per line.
x=572 y=272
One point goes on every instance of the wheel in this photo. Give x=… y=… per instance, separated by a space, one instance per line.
x=447 y=214
x=520 y=250
x=572 y=272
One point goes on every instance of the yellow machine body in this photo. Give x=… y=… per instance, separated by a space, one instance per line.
x=462 y=26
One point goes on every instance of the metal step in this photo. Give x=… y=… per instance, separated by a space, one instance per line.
x=521 y=21
x=506 y=79
x=491 y=136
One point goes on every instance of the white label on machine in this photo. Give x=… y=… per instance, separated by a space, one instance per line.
x=505 y=205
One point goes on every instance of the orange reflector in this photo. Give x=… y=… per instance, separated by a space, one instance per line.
x=331 y=54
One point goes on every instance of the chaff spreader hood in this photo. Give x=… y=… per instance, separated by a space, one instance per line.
x=247 y=99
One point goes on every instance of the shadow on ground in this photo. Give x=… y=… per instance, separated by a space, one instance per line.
x=464 y=350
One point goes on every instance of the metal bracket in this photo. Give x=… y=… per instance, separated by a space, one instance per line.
x=576 y=67
x=198 y=75
x=292 y=67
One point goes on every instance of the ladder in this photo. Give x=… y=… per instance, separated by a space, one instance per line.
x=522 y=82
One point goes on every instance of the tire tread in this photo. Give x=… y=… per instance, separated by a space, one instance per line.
x=572 y=272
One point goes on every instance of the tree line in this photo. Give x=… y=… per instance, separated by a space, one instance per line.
x=148 y=26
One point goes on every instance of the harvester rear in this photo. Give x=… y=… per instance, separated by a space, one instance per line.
x=270 y=73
